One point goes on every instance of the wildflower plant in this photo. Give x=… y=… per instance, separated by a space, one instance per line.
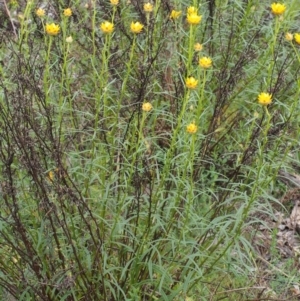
x=136 y=162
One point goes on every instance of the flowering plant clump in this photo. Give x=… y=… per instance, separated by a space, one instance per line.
x=107 y=27
x=205 y=62
x=191 y=82
x=148 y=7
x=52 y=29
x=136 y=27
x=297 y=38
x=114 y=2
x=264 y=98
x=147 y=107
x=278 y=8
x=175 y=14
x=67 y=12
x=40 y=12
x=191 y=128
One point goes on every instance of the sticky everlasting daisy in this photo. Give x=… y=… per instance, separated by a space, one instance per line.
x=52 y=29
x=148 y=7
x=193 y=19
x=205 y=62
x=297 y=38
x=175 y=14
x=147 y=107
x=191 y=83
x=191 y=128
x=107 y=27
x=264 y=98
x=191 y=10
x=114 y=2
x=198 y=47
x=278 y=8
x=68 y=12
x=289 y=36
x=40 y=12
x=136 y=27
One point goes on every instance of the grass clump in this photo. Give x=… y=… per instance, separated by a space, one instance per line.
x=138 y=141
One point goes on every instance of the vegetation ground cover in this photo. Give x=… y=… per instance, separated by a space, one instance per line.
x=140 y=148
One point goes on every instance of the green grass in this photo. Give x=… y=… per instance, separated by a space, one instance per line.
x=102 y=200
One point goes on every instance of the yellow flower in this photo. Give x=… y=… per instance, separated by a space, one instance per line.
x=40 y=12
x=278 y=8
x=114 y=2
x=136 y=27
x=193 y=19
x=69 y=39
x=191 y=128
x=148 y=7
x=191 y=83
x=289 y=36
x=107 y=27
x=297 y=38
x=264 y=98
x=192 y=10
x=68 y=12
x=175 y=14
x=205 y=62
x=52 y=29
x=51 y=175
x=198 y=47
x=147 y=107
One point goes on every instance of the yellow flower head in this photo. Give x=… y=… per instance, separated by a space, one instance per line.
x=68 y=12
x=205 y=62
x=52 y=29
x=198 y=47
x=148 y=7
x=193 y=19
x=264 y=98
x=192 y=10
x=40 y=12
x=175 y=14
x=191 y=128
x=191 y=82
x=136 y=27
x=147 y=107
x=297 y=38
x=107 y=27
x=114 y=2
x=289 y=36
x=278 y=8
x=69 y=39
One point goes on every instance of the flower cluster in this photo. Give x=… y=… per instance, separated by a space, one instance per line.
x=192 y=16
